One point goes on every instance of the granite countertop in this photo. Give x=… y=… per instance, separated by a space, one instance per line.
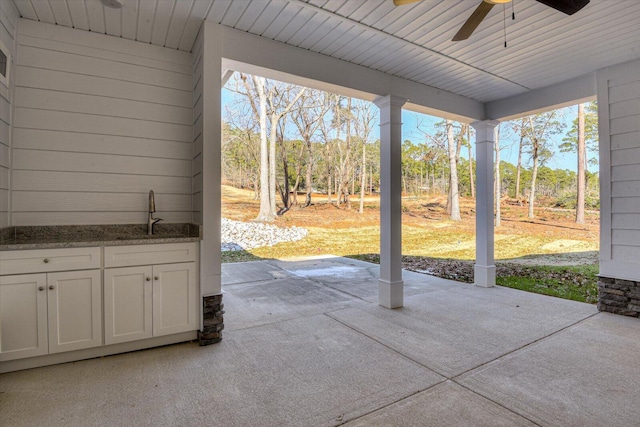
x=74 y=236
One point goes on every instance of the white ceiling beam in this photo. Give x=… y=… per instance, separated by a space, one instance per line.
x=226 y=75
x=572 y=92
x=257 y=55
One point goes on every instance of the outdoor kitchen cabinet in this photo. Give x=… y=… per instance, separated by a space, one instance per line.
x=50 y=311
x=144 y=301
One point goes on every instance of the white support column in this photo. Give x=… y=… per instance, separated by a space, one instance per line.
x=210 y=256
x=390 y=285
x=484 y=269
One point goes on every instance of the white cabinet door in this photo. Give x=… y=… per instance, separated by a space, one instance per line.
x=23 y=316
x=127 y=304
x=174 y=298
x=75 y=310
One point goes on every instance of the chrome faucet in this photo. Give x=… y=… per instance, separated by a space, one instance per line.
x=152 y=208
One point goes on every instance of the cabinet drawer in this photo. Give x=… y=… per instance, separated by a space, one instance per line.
x=128 y=256
x=44 y=260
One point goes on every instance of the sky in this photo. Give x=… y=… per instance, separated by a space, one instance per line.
x=509 y=141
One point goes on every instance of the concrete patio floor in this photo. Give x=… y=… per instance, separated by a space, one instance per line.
x=306 y=344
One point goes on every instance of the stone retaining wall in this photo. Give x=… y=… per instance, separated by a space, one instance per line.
x=619 y=296
x=213 y=320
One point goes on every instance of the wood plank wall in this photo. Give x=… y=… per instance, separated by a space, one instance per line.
x=619 y=134
x=197 y=128
x=8 y=21
x=99 y=121
x=624 y=129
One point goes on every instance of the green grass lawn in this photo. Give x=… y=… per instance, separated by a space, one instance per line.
x=578 y=283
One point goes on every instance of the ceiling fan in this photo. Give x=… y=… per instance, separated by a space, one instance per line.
x=566 y=6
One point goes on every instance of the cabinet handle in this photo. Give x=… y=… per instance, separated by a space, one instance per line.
x=156 y=278
x=41 y=288
x=148 y=278
x=46 y=260
x=51 y=287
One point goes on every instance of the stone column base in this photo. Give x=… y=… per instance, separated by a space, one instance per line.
x=213 y=320
x=619 y=296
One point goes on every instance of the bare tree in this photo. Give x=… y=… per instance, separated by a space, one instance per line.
x=582 y=136
x=286 y=150
x=345 y=163
x=582 y=160
x=471 y=174
x=241 y=146
x=278 y=96
x=308 y=116
x=523 y=133
x=539 y=131
x=535 y=155
x=363 y=176
x=498 y=183
x=273 y=95
x=265 y=213
x=365 y=119
x=453 y=201
x=454 y=145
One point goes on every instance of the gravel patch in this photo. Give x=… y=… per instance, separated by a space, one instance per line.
x=238 y=236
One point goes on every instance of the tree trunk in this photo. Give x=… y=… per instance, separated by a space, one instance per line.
x=285 y=190
x=404 y=181
x=308 y=183
x=272 y=164
x=453 y=202
x=265 y=210
x=294 y=190
x=345 y=160
x=498 y=183
x=582 y=155
x=329 y=161
x=363 y=176
x=532 y=191
x=471 y=176
x=433 y=180
x=353 y=182
x=519 y=167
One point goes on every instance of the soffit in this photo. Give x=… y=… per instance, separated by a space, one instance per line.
x=413 y=42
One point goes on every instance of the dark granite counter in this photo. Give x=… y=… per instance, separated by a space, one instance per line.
x=74 y=236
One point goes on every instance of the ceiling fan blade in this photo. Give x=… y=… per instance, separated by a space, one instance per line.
x=566 y=6
x=474 y=20
x=403 y=2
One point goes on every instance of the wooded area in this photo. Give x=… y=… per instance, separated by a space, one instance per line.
x=283 y=140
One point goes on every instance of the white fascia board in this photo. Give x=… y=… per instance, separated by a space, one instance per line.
x=257 y=55
x=571 y=92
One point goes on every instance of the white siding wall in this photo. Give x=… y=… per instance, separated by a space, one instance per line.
x=619 y=125
x=197 y=128
x=99 y=121
x=8 y=21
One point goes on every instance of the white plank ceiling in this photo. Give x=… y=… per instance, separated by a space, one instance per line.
x=412 y=41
